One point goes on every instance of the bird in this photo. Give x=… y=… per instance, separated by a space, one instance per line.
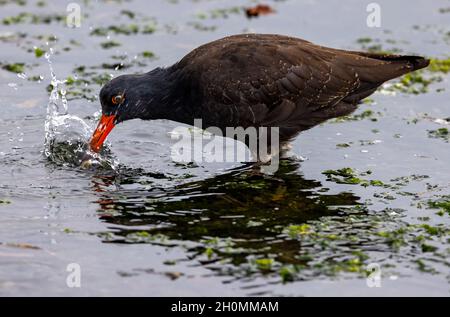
x=252 y=80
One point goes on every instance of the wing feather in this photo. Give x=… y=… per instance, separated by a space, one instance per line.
x=256 y=80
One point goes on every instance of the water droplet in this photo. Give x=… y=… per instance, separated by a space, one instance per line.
x=13 y=85
x=67 y=136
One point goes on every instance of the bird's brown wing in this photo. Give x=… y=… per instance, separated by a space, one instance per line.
x=272 y=80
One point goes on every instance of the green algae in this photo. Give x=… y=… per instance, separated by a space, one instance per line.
x=377 y=46
x=288 y=273
x=441 y=133
x=420 y=82
x=14 y=67
x=202 y=27
x=344 y=175
x=301 y=250
x=17 y=2
x=38 y=52
x=301 y=232
x=30 y=18
x=130 y=14
x=273 y=237
x=148 y=54
x=220 y=13
x=124 y=29
x=109 y=44
x=264 y=264
x=439 y=65
x=442 y=205
x=366 y=114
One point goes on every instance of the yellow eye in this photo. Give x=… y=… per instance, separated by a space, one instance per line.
x=117 y=100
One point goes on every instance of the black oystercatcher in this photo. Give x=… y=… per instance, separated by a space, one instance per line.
x=247 y=80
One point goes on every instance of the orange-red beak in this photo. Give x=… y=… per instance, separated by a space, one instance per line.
x=105 y=126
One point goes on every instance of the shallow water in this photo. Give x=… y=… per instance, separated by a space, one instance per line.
x=152 y=226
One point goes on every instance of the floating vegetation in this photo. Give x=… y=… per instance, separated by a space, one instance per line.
x=222 y=13
x=80 y=85
x=69 y=153
x=277 y=235
x=147 y=27
x=414 y=83
x=67 y=141
x=109 y=44
x=264 y=264
x=405 y=180
x=128 y=13
x=368 y=101
x=239 y=225
x=38 y=52
x=366 y=114
x=442 y=205
x=14 y=68
x=349 y=176
x=202 y=27
x=369 y=142
x=18 y=2
x=148 y=54
x=85 y=79
x=376 y=45
x=26 y=17
x=441 y=133
x=419 y=82
x=439 y=65
x=116 y=29
x=145 y=237
x=67 y=136
x=321 y=235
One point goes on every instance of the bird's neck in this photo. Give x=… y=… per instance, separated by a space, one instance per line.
x=170 y=96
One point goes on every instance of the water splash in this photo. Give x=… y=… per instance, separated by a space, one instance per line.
x=67 y=136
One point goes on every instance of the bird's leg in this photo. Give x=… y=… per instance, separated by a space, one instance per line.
x=257 y=170
x=286 y=147
x=266 y=163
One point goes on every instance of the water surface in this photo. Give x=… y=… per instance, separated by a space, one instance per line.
x=371 y=189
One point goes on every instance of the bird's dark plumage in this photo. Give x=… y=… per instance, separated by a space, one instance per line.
x=257 y=80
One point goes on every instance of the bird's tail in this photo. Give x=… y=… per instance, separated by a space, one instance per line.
x=375 y=69
x=411 y=62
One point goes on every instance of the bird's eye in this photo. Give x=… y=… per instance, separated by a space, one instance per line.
x=117 y=100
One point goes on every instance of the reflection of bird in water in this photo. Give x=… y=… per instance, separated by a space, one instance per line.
x=221 y=206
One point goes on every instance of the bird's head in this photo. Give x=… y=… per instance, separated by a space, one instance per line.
x=123 y=98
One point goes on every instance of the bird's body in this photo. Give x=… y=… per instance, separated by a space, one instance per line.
x=257 y=80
